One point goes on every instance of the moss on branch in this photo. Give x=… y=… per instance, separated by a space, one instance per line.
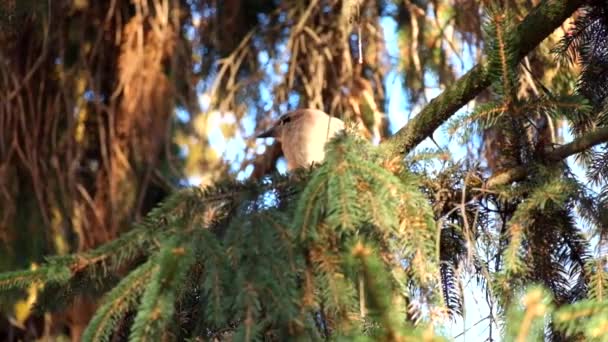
x=541 y=22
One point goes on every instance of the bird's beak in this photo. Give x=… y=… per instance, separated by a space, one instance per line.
x=269 y=133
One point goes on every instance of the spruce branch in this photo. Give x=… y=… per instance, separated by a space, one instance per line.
x=377 y=287
x=539 y=23
x=578 y=145
x=117 y=303
x=598 y=281
x=23 y=279
x=502 y=52
x=527 y=323
x=158 y=301
x=589 y=317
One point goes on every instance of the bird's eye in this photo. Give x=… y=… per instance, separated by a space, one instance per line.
x=285 y=120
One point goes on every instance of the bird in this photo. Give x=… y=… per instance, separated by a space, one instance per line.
x=303 y=134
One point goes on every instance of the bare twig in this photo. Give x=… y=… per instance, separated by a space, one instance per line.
x=578 y=145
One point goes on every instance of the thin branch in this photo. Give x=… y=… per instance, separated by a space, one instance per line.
x=472 y=326
x=578 y=145
x=507 y=177
x=541 y=22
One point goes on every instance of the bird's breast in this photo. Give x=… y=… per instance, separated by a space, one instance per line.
x=306 y=145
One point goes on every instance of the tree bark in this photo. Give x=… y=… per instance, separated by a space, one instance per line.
x=578 y=145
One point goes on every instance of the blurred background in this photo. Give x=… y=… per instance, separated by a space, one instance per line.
x=108 y=106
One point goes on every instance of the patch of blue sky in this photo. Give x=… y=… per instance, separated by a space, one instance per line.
x=399 y=110
x=182 y=114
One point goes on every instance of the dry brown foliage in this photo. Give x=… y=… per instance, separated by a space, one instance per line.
x=83 y=124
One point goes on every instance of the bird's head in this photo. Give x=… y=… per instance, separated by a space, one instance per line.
x=284 y=124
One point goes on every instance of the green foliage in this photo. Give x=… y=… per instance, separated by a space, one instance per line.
x=341 y=251
x=501 y=51
x=588 y=317
x=54 y=272
x=361 y=247
x=158 y=301
x=529 y=229
x=251 y=261
x=118 y=303
x=585 y=44
x=526 y=320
